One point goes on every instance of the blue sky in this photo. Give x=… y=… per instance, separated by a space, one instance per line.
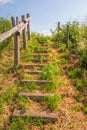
x=45 y=13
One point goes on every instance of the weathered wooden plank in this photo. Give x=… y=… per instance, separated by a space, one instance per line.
x=16 y=44
x=28 y=27
x=22 y=28
x=36 y=81
x=24 y=32
x=43 y=115
x=34 y=65
x=40 y=95
x=9 y=33
x=38 y=60
x=67 y=37
x=36 y=54
x=33 y=72
x=41 y=51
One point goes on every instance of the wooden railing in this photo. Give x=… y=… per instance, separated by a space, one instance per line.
x=18 y=29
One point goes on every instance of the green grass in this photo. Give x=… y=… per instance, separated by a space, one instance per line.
x=7 y=97
x=22 y=102
x=18 y=124
x=50 y=72
x=27 y=87
x=28 y=76
x=76 y=73
x=53 y=101
x=85 y=109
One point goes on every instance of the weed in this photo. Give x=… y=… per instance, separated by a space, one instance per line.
x=7 y=96
x=75 y=73
x=18 y=124
x=28 y=76
x=23 y=102
x=85 y=109
x=28 y=86
x=77 y=109
x=53 y=101
x=79 y=84
x=83 y=58
x=50 y=72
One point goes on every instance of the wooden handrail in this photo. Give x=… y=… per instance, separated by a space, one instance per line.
x=16 y=31
x=18 y=28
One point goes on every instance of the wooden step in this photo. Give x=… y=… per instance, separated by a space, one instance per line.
x=32 y=72
x=28 y=66
x=37 y=60
x=31 y=95
x=36 y=81
x=43 y=115
x=36 y=54
x=40 y=51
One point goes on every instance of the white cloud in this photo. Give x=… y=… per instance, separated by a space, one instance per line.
x=5 y=1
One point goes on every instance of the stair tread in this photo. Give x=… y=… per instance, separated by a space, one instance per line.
x=32 y=71
x=27 y=94
x=37 y=81
x=43 y=115
x=38 y=65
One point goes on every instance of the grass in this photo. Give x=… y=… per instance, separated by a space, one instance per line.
x=7 y=97
x=76 y=73
x=50 y=72
x=28 y=76
x=22 y=102
x=85 y=109
x=27 y=87
x=53 y=101
x=24 y=123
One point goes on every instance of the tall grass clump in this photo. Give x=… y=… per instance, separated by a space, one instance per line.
x=5 y=25
x=50 y=72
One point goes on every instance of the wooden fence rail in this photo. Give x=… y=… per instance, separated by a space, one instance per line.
x=18 y=28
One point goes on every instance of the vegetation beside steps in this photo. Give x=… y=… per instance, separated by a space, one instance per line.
x=48 y=90
x=36 y=101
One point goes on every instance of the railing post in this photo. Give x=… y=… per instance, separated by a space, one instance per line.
x=24 y=34
x=67 y=37
x=58 y=25
x=28 y=27
x=17 y=20
x=16 y=45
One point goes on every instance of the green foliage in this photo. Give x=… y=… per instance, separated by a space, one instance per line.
x=40 y=38
x=27 y=86
x=83 y=58
x=74 y=33
x=85 y=109
x=7 y=97
x=22 y=101
x=79 y=84
x=18 y=124
x=53 y=101
x=50 y=72
x=76 y=73
x=28 y=76
x=5 y=25
x=58 y=36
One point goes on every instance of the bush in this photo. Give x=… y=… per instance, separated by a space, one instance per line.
x=83 y=58
x=5 y=25
x=77 y=73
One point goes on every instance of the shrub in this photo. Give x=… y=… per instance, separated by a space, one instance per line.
x=83 y=58
x=5 y=25
x=77 y=73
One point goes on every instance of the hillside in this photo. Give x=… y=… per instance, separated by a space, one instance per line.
x=67 y=102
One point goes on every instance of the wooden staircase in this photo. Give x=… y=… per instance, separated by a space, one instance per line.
x=30 y=69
